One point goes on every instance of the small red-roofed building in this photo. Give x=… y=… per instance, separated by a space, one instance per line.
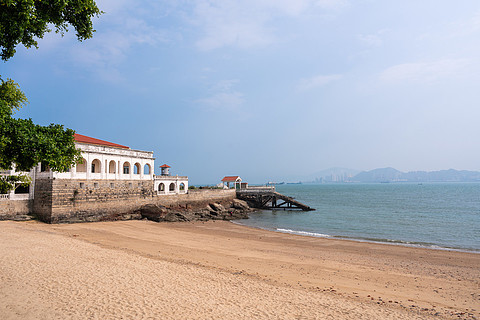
x=165 y=169
x=235 y=180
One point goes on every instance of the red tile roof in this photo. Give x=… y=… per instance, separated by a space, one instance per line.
x=165 y=166
x=88 y=140
x=230 y=178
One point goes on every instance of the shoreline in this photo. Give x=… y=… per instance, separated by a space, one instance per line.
x=225 y=270
x=390 y=242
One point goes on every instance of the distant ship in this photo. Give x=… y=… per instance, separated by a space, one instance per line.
x=271 y=183
x=294 y=182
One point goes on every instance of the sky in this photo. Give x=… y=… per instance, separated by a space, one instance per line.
x=270 y=90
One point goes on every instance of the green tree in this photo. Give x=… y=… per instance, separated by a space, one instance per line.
x=24 y=144
x=21 y=21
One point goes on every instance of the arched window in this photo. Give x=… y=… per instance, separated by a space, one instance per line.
x=172 y=187
x=161 y=187
x=146 y=169
x=136 y=168
x=82 y=166
x=96 y=166
x=182 y=186
x=111 y=167
x=126 y=168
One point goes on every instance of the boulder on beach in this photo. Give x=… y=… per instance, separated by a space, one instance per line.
x=153 y=212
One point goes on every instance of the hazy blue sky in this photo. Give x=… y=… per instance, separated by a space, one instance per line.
x=269 y=89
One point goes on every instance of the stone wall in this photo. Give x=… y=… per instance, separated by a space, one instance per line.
x=15 y=209
x=195 y=196
x=66 y=200
x=93 y=200
x=42 y=203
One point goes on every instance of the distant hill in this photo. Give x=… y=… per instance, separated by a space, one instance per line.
x=393 y=175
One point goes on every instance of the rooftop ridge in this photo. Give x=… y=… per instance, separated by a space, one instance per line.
x=89 y=140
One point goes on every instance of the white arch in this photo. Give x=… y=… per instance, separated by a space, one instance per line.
x=137 y=169
x=96 y=166
x=147 y=169
x=126 y=167
x=82 y=166
x=112 y=167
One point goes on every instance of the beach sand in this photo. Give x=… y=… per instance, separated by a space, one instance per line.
x=220 y=270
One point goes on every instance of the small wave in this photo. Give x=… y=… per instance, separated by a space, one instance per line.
x=414 y=244
x=390 y=241
x=366 y=239
x=304 y=233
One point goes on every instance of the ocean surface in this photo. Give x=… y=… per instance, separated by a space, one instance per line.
x=434 y=215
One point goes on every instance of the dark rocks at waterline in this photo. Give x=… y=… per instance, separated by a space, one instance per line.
x=227 y=210
x=241 y=205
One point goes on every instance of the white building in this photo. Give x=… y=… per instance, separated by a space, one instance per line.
x=103 y=160
x=19 y=193
x=167 y=184
x=106 y=160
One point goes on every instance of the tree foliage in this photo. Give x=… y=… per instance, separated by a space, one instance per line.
x=24 y=144
x=10 y=182
x=21 y=21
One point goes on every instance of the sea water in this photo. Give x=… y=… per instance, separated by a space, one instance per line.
x=436 y=215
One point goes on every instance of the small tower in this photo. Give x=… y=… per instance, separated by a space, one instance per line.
x=165 y=170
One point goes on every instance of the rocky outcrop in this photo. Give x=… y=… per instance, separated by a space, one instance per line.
x=221 y=210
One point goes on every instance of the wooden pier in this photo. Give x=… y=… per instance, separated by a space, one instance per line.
x=268 y=198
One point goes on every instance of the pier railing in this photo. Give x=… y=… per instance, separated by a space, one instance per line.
x=255 y=189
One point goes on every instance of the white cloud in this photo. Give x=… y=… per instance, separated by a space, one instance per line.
x=287 y=7
x=223 y=97
x=332 y=4
x=425 y=72
x=317 y=81
x=248 y=23
x=372 y=40
x=225 y=85
x=228 y=23
x=111 y=6
x=223 y=100
x=118 y=34
x=466 y=27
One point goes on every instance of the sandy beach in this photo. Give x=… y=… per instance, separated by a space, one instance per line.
x=220 y=270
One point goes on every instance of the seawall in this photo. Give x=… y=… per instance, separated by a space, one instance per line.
x=15 y=209
x=66 y=201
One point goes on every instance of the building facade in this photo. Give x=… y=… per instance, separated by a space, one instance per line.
x=167 y=184
x=108 y=174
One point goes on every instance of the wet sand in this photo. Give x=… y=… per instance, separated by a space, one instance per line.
x=220 y=270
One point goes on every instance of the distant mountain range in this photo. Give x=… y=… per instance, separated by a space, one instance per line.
x=394 y=175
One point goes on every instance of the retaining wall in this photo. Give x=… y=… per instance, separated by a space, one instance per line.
x=66 y=200
x=195 y=197
x=14 y=209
